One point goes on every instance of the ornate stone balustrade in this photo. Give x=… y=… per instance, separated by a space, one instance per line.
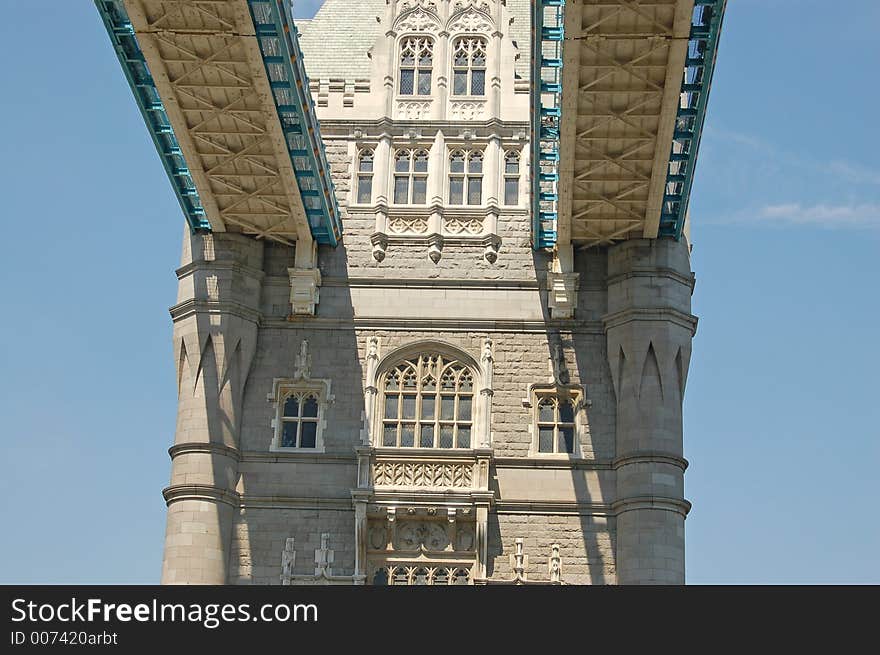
x=402 y=469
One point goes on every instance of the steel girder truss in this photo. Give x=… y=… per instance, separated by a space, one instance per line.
x=237 y=105
x=635 y=77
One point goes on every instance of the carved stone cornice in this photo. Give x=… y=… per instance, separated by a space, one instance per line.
x=677 y=505
x=659 y=314
x=192 y=307
x=650 y=457
x=219 y=265
x=652 y=272
x=209 y=448
x=178 y=492
x=441 y=324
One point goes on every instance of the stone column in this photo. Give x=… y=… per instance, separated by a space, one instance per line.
x=216 y=321
x=649 y=328
x=441 y=64
x=389 y=80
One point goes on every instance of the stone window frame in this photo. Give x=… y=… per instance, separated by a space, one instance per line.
x=467 y=175
x=577 y=395
x=476 y=43
x=361 y=175
x=419 y=43
x=411 y=175
x=430 y=371
x=481 y=394
x=513 y=177
x=284 y=388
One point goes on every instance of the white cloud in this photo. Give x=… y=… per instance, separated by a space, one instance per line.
x=851 y=216
x=843 y=171
x=854 y=173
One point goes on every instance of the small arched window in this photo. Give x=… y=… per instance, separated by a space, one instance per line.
x=427 y=402
x=511 y=177
x=469 y=67
x=365 y=176
x=410 y=177
x=416 y=63
x=465 y=177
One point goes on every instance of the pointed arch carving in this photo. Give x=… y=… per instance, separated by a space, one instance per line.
x=470 y=17
x=445 y=376
x=419 y=17
x=651 y=372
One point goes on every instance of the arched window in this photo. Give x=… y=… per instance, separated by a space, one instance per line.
x=365 y=176
x=427 y=402
x=410 y=177
x=511 y=177
x=469 y=67
x=466 y=177
x=416 y=62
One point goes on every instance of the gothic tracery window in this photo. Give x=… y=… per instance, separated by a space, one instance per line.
x=428 y=403
x=469 y=67
x=410 y=177
x=299 y=420
x=466 y=177
x=416 y=63
x=556 y=428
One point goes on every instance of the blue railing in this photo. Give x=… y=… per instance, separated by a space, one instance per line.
x=283 y=61
x=147 y=97
x=547 y=38
x=699 y=66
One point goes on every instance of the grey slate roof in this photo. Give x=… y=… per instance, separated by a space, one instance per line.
x=336 y=40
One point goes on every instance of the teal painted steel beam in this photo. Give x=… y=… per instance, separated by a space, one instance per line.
x=283 y=62
x=700 y=65
x=146 y=96
x=546 y=80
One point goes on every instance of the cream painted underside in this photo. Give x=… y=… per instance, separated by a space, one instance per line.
x=623 y=67
x=207 y=66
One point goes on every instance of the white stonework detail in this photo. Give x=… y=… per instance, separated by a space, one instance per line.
x=370 y=390
x=413 y=110
x=417 y=474
x=468 y=110
x=406 y=5
x=554 y=565
x=303 y=365
x=399 y=225
x=305 y=286
x=457 y=226
x=471 y=20
x=288 y=560
x=418 y=19
x=562 y=294
x=324 y=558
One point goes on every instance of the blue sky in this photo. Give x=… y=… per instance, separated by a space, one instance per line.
x=782 y=414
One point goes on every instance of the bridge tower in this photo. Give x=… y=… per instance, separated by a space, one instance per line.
x=434 y=313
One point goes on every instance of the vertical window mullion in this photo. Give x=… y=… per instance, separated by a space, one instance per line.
x=400 y=414
x=556 y=431
x=455 y=411
x=437 y=415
